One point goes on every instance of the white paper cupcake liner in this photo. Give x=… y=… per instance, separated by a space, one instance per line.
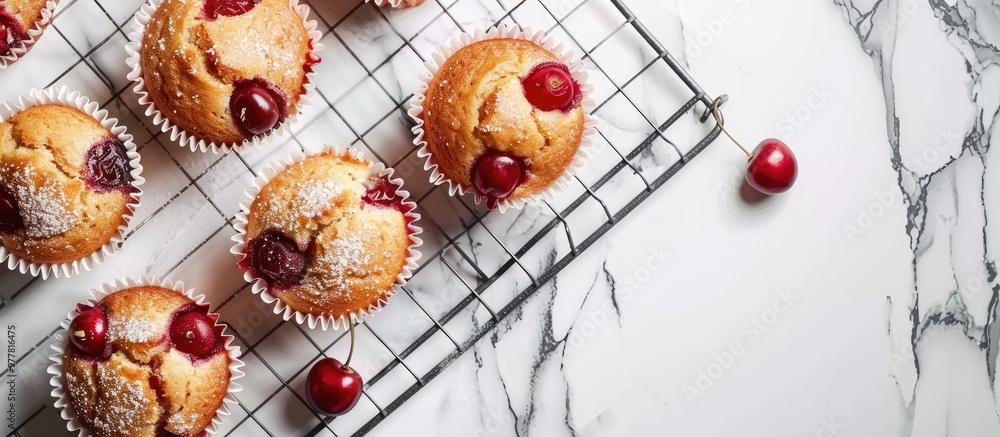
x=188 y=139
x=63 y=96
x=260 y=286
x=566 y=56
x=57 y=380
x=33 y=35
x=396 y=4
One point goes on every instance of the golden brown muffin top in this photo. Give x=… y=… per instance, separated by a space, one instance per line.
x=476 y=103
x=353 y=249
x=27 y=12
x=191 y=64
x=43 y=161
x=145 y=386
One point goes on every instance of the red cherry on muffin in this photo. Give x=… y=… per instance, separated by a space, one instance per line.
x=10 y=213
x=550 y=87
x=228 y=8
x=193 y=333
x=254 y=108
x=107 y=167
x=773 y=168
x=383 y=194
x=276 y=258
x=333 y=388
x=4 y=46
x=88 y=331
x=496 y=175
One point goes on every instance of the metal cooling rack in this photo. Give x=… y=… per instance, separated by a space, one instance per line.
x=478 y=267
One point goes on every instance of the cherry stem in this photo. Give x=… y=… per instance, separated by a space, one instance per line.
x=347 y=364
x=722 y=125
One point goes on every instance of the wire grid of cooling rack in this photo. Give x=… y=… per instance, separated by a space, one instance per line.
x=478 y=266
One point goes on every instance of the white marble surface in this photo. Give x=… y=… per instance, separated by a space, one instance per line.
x=861 y=303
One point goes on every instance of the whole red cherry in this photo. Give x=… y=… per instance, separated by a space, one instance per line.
x=383 y=194
x=333 y=388
x=550 y=87
x=10 y=213
x=228 y=8
x=275 y=257
x=773 y=168
x=193 y=333
x=496 y=175
x=88 y=331
x=254 y=108
x=4 y=45
x=107 y=166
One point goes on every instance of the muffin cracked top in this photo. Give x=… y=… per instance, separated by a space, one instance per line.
x=226 y=71
x=504 y=118
x=65 y=184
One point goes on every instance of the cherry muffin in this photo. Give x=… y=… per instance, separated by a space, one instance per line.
x=225 y=71
x=145 y=361
x=329 y=237
x=66 y=184
x=17 y=19
x=503 y=117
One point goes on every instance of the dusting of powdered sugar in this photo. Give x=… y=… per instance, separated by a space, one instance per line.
x=315 y=197
x=184 y=420
x=132 y=329
x=44 y=208
x=124 y=403
x=344 y=262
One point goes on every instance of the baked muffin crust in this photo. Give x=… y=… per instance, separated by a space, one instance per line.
x=192 y=64
x=43 y=165
x=476 y=104
x=145 y=386
x=26 y=12
x=353 y=249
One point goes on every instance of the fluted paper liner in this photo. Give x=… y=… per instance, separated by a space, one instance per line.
x=188 y=139
x=34 y=34
x=57 y=380
x=260 y=285
x=566 y=56
x=73 y=99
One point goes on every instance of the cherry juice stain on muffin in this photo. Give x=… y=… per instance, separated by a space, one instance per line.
x=10 y=214
x=257 y=106
x=381 y=193
x=551 y=87
x=276 y=258
x=106 y=167
x=228 y=8
x=156 y=383
x=496 y=175
x=11 y=32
